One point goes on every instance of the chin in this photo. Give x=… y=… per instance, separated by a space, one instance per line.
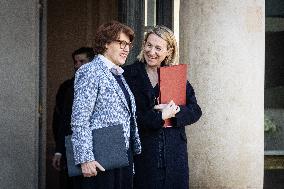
x=152 y=64
x=121 y=63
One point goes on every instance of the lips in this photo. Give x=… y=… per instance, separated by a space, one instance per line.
x=151 y=58
x=123 y=55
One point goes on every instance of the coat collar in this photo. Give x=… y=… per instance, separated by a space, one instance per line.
x=140 y=72
x=111 y=65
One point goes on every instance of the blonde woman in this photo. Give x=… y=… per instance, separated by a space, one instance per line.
x=163 y=162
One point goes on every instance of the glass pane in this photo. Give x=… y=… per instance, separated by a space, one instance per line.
x=150 y=12
x=274 y=86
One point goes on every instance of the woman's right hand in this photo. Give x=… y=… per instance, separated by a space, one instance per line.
x=160 y=106
x=170 y=110
x=89 y=169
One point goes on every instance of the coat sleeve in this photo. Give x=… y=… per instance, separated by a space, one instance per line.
x=150 y=119
x=85 y=93
x=58 y=118
x=191 y=112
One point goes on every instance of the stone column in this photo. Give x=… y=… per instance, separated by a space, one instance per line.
x=20 y=130
x=223 y=43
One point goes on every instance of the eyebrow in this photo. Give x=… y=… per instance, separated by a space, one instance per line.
x=155 y=45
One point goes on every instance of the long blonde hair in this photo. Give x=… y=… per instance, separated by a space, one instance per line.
x=166 y=34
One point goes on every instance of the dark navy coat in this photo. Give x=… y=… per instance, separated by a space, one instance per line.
x=62 y=114
x=163 y=162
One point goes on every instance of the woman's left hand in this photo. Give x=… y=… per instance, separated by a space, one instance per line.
x=170 y=110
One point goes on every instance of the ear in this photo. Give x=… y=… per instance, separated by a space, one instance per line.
x=105 y=51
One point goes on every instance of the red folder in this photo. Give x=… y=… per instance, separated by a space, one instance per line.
x=172 y=83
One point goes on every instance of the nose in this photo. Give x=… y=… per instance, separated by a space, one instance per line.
x=126 y=48
x=151 y=50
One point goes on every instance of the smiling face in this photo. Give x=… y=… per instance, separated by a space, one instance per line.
x=155 y=50
x=115 y=53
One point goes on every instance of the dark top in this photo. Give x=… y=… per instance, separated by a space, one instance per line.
x=127 y=97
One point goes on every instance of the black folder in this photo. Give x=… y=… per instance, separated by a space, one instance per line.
x=108 y=147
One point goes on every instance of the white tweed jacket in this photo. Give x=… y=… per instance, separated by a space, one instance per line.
x=99 y=102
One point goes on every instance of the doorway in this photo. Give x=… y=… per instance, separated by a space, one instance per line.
x=70 y=25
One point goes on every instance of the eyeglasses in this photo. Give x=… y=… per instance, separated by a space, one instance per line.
x=123 y=44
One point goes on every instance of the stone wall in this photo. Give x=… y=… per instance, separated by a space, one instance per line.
x=19 y=96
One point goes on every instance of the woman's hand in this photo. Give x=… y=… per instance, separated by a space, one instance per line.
x=89 y=169
x=56 y=161
x=160 y=106
x=169 y=110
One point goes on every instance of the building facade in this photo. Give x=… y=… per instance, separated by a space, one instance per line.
x=223 y=42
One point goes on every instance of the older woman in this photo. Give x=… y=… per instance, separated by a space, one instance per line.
x=102 y=98
x=163 y=162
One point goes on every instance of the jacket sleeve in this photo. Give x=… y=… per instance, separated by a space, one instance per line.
x=85 y=92
x=191 y=112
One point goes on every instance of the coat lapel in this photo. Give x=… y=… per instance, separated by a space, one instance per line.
x=138 y=76
x=146 y=86
x=113 y=82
